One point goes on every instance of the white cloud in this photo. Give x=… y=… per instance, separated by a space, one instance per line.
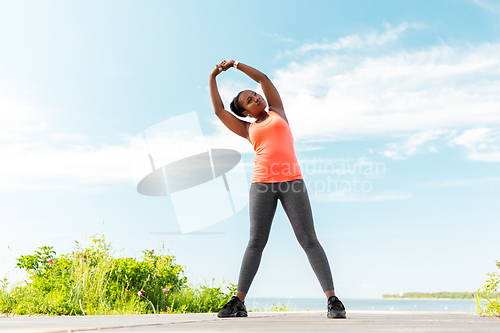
x=416 y=98
x=353 y=42
x=471 y=138
x=483 y=143
x=489 y=6
x=433 y=149
x=415 y=143
x=77 y=137
x=342 y=98
x=19 y=120
x=31 y=158
x=35 y=155
x=32 y=166
x=429 y=94
x=484 y=157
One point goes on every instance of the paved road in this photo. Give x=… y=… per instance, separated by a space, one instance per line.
x=295 y=321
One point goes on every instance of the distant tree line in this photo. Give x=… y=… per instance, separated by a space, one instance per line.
x=443 y=294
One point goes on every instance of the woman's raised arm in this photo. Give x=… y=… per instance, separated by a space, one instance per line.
x=234 y=124
x=268 y=88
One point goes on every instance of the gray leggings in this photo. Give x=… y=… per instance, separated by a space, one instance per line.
x=295 y=201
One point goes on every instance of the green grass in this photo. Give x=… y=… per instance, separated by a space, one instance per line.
x=490 y=293
x=90 y=281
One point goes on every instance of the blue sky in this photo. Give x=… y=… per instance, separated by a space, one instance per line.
x=409 y=86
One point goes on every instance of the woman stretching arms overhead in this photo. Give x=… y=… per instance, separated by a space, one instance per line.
x=276 y=175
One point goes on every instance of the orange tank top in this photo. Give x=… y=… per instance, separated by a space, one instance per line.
x=275 y=159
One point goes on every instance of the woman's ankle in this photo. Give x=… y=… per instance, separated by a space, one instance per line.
x=241 y=295
x=330 y=293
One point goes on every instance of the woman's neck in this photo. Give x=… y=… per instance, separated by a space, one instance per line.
x=263 y=116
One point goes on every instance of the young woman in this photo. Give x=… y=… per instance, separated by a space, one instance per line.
x=276 y=176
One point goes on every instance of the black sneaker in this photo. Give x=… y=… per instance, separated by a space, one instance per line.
x=335 y=308
x=234 y=308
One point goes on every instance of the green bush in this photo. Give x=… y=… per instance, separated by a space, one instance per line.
x=89 y=281
x=198 y=299
x=490 y=292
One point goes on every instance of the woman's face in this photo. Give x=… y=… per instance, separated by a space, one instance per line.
x=253 y=103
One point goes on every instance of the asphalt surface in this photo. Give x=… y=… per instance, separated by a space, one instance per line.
x=294 y=321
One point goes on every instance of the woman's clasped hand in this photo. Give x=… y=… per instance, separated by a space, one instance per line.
x=222 y=66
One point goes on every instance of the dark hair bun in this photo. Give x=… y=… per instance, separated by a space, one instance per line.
x=236 y=107
x=233 y=106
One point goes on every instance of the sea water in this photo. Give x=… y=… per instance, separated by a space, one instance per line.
x=381 y=304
